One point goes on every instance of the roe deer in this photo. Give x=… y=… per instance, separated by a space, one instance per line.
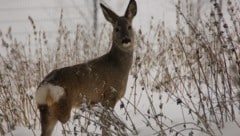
x=65 y=88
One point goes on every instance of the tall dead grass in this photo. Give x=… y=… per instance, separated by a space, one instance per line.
x=197 y=67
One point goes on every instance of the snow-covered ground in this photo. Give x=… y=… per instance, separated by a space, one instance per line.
x=143 y=118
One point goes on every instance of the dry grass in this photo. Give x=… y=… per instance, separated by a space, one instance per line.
x=197 y=67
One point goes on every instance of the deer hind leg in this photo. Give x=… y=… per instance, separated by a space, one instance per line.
x=63 y=108
x=47 y=97
x=49 y=116
x=48 y=119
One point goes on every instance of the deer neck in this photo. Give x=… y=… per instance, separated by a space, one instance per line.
x=122 y=58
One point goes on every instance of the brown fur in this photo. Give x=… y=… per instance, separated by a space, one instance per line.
x=95 y=80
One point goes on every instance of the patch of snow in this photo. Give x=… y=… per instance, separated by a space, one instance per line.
x=22 y=131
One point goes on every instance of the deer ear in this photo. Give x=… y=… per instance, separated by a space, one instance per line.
x=131 y=10
x=109 y=14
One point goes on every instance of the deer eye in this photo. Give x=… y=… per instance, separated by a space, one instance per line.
x=117 y=29
x=129 y=27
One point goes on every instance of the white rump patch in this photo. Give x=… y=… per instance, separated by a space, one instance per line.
x=48 y=90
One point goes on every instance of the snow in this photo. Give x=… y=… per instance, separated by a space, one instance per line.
x=170 y=110
x=231 y=129
x=22 y=131
x=46 y=14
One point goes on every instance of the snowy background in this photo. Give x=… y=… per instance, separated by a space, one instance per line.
x=46 y=13
x=171 y=86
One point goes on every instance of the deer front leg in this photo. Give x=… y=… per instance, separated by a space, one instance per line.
x=109 y=101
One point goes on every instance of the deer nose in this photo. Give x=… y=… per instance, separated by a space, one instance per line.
x=126 y=40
